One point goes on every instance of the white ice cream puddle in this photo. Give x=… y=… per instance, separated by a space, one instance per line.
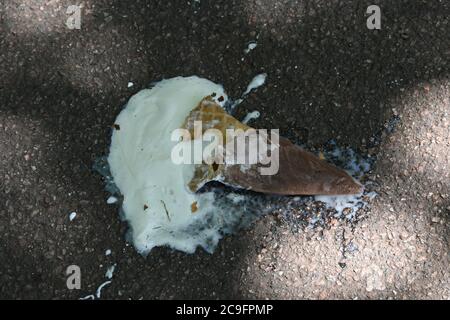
x=156 y=201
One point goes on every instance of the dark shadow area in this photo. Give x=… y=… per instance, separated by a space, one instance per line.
x=329 y=77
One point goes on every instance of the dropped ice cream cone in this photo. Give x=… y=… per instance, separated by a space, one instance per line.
x=300 y=172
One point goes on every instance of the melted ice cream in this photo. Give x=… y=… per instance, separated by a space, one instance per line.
x=157 y=204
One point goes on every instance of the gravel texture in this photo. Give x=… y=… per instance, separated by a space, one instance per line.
x=329 y=77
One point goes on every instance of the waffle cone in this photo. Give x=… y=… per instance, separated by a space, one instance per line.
x=300 y=172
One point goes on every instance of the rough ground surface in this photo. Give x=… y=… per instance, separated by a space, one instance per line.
x=329 y=77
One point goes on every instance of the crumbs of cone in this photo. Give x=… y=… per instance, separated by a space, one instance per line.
x=194 y=207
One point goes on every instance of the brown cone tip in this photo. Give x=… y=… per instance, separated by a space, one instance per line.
x=300 y=172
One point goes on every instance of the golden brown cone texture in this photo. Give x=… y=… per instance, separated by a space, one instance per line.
x=300 y=172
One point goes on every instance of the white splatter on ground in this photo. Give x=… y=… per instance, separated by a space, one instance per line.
x=72 y=216
x=251 y=46
x=112 y=200
x=256 y=82
x=98 y=293
x=251 y=116
x=110 y=271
